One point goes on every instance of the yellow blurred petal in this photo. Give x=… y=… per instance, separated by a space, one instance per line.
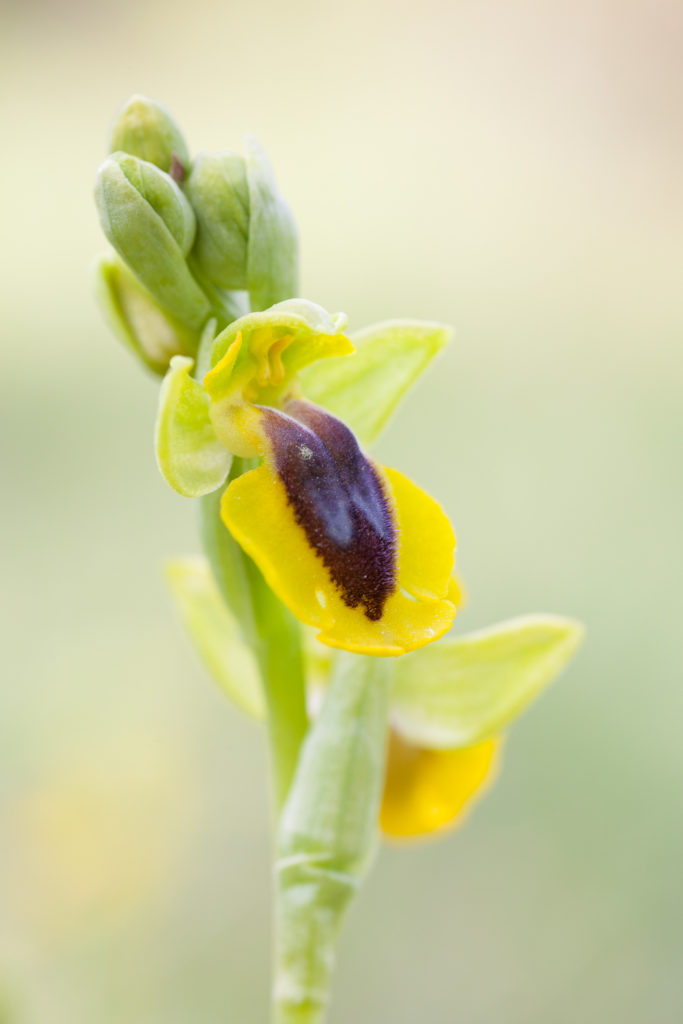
x=427 y=791
x=255 y=509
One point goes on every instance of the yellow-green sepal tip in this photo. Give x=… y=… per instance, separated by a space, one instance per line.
x=463 y=690
x=365 y=390
x=215 y=633
x=148 y=330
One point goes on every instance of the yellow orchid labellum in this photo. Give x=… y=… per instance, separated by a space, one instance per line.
x=352 y=548
x=426 y=791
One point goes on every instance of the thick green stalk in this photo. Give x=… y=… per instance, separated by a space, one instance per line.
x=280 y=658
x=272 y=633
x=311 y=1014
x=327 y=834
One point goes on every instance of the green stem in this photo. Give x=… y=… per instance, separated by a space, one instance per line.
x=302 y=1014
x=271 y=632
x=280 y=657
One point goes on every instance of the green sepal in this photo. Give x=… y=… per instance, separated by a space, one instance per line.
x=365 y=389
x=154 y=335
x=218 y=191
x=273 y=248
x=146 y=129
x=458 y=692
x=151 y=225
x=215 y=633
x=189 y=455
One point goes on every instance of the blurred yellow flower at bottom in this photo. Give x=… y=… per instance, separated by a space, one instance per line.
x=99 y=837
x=429 y=790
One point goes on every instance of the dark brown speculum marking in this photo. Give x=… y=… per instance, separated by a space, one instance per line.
x=338 y=499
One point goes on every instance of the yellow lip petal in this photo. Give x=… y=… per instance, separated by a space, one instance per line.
x=427 y=791
x=427 y=540
x=255 y=509
x=457 y=592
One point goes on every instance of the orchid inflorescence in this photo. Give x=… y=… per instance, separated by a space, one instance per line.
x=312 y=548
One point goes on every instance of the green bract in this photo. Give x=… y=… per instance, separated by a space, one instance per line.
x=215 y=633
x=458 y=692
x=365 y=390
x=145 y=128
x=151 y=225
x=328 y=816
x=328 y=828
x=189 y=455
x=218 y=191
x=154 y=335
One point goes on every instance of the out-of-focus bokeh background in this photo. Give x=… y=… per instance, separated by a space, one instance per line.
x=509 y=166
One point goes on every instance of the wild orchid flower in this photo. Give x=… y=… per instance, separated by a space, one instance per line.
x=265 y=412
x=352 y=548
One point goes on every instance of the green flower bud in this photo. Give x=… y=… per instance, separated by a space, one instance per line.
x=150 y=223
x=137 y=320
x=161 y=193
x=218 y=190
x=145 y=128
x=246 y=236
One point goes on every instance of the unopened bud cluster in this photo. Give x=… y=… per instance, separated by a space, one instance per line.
x=194 y=239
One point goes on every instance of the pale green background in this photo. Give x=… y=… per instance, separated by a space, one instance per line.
x=513 y=168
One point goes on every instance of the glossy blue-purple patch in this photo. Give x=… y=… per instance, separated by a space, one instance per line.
x=338 y=500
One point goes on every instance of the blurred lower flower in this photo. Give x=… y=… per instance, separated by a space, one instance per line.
x=99 y=838
x=427 y=790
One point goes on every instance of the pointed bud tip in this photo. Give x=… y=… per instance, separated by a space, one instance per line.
x=146 y=129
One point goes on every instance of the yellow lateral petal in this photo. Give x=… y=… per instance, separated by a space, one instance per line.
x=427 y=791
x=256 y=511
x=217 y=381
